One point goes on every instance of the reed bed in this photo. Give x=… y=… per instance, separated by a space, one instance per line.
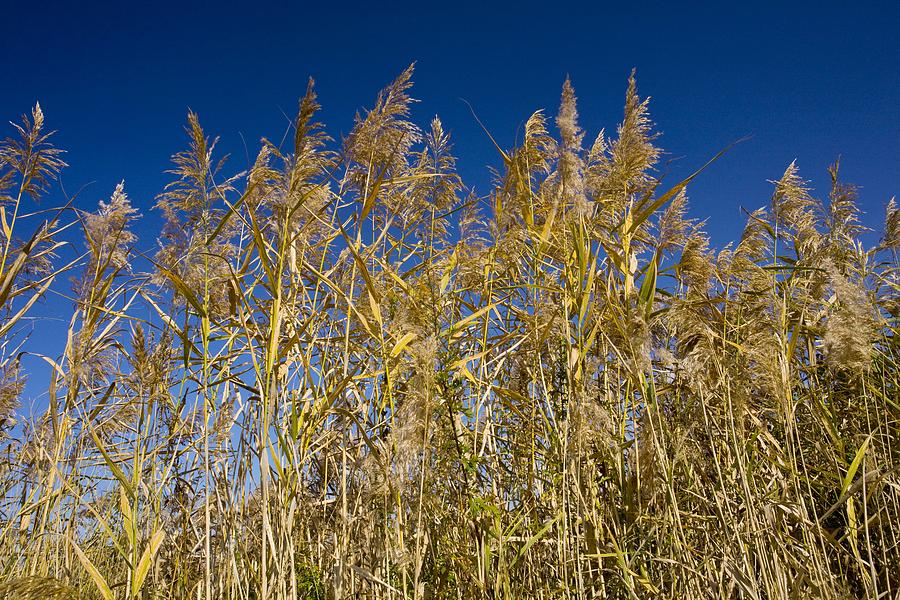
x=343 y=374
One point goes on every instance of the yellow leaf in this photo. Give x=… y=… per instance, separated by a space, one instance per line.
x=402 y=343
x=376 y=309
x=143 y=566
x=97 y=578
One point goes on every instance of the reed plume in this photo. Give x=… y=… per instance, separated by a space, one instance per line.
x=345 y=374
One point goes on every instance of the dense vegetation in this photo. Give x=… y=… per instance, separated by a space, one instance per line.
x=345 y=375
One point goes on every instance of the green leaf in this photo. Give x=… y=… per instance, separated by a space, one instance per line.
x=113 y=466
x=645 y=213
x=531 y=541
x=854 y=466
x=648 y=286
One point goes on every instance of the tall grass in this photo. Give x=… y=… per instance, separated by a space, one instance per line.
x=347 y=376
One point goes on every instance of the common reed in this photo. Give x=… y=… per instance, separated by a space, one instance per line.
x=345 y=375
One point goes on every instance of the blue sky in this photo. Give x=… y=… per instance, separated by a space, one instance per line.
x=809 y=82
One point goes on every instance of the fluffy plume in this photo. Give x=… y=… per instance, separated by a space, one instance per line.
x=30 y=157
x=192 y=209
x=570 y=164
x=107 y=232
x=795 y=211
x=343 y=381
x=850 y=326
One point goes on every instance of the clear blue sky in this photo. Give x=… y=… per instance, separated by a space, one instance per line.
x=806 y=81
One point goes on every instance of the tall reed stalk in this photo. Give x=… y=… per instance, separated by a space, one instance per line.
x=345 y=375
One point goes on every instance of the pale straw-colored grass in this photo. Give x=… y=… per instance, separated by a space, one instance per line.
x=344 y=375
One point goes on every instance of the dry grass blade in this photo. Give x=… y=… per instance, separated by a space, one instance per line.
x=342 y=374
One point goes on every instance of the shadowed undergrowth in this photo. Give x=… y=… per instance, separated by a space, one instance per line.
x=344 y=375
